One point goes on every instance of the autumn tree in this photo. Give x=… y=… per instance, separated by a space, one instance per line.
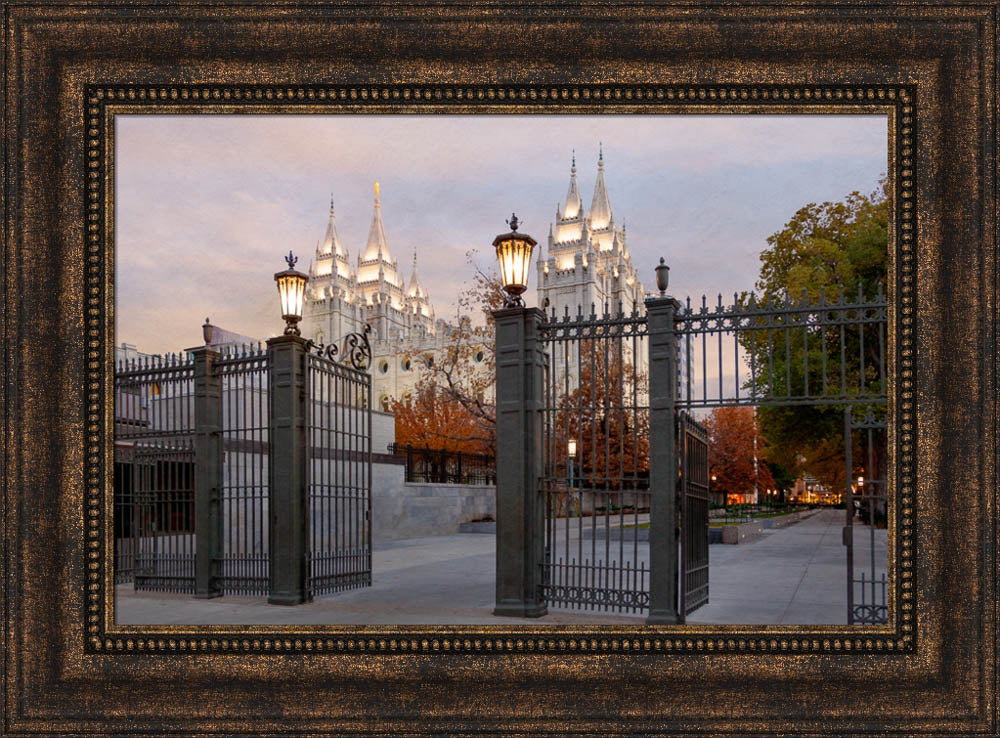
x=831 y=252
x=602 y=407
x=731 y=451
x=430 y=418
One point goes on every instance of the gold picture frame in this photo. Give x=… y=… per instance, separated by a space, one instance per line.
x=70 y=68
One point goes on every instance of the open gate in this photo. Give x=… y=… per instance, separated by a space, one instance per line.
x=693 y=498
x=339 y=476
x=595 y=482
x=866 y=502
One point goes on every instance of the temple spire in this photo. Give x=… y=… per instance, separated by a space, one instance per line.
x=600 y=208
x=377 y=247
x=331 y=242
x=573 y=202
x=415 y=289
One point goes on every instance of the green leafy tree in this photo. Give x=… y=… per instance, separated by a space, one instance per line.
x=833 y=252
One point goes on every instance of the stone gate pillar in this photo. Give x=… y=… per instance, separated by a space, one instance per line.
x=287 y=484
x=663 y=518
x=520 y=366
x=208 y=474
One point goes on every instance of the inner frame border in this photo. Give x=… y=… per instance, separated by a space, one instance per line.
x=103 y=102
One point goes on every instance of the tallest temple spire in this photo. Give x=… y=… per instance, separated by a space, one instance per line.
x=377 y=247
x=600 y=208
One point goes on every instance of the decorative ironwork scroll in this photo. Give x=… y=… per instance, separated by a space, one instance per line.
x=357 y=349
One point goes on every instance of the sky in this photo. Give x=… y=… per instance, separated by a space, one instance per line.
x=206 y=206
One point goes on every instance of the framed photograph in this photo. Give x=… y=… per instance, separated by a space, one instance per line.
x=619 y=369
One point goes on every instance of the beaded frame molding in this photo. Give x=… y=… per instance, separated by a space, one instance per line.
x=896 y=102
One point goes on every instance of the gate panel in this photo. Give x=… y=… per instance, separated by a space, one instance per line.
x=244 y=377
x=596 y=469
x=866 y=497
x=339 y=474
x=694 y=500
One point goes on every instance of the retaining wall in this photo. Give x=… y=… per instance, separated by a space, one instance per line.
x=414 y=510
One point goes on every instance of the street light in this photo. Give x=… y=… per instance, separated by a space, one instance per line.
x=571 y=450
x=291 y=290
x=514 y=255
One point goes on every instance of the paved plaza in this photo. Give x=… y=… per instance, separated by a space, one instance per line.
x=794 y=575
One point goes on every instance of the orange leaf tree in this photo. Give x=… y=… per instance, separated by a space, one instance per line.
x=430 y=418
x=605 y=413
x=731 y=433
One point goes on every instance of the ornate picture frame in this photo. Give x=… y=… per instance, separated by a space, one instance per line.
x=69 y=69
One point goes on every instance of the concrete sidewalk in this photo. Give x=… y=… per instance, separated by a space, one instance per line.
x=794 y=575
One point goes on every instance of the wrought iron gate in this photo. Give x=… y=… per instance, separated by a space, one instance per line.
x=866 y=499
x=694 y=505
x=243 y=376
x=596 y=467
x=339 y=474
x=164 y=405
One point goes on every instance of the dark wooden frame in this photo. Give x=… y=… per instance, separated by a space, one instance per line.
x=67 y=668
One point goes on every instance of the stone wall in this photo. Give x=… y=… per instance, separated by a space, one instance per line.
x=401 y=510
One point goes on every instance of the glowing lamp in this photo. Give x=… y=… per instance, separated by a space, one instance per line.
x=571 y=448
x=514 y=255
x=292 y=291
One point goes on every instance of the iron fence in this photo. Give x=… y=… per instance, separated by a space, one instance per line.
x=439 y=466
x=783 y=352
x=154 y=536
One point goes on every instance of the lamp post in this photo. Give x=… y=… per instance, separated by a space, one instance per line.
x=514 y=255
x=288 y=522
x=520 y=371
x=292 y=291
x=571 y=450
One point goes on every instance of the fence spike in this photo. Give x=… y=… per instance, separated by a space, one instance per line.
x=822 y=295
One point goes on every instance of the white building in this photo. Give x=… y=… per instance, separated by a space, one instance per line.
x=586 y=264
x=588 y=261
